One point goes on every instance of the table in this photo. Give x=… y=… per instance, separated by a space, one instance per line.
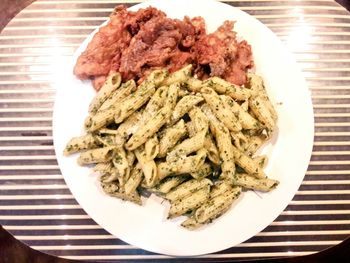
x=37 y=207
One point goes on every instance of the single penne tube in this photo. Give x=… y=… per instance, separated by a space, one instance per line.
x=262 y=112
x=256 y=84
x=137 y=99
x=98 y=155
x=130 y=157
x=220 y=188
x=130 y=125
x=202 y=172
x=199 y=121
x=112 y=83
x=133 y=197
x=213 y=152
x=198 y=118
x=261 y=161
x=124 y=90
x=152 y=147
x=156 y=77
x=180 y=76
x=106 y=140
x=222 y=86
x=170 y=136
x=213 y=120
x=87 y=122
x=239 y=140
x=221 y=109
x=156 y=102
x=191 y=223
x=246 y=120
x=214 y=207
x=103 y=168
x=223 y=140
x=188 y=146
x=80 y=143
x=112 y=176
x=245 y=105
x=110 y=186
x=249 y=182
x=194 y=84
x=132 y=103
x=136 y=176
x=100 y=119
x=148 y=167
x=190 y=128
x=183 y=107
x=121 y=163
x=253 y=144
x=166 y=185
x=189 y=203
x=247 y=163
x=187 y=188
x=146 y=131
x=186 y=165
x=183 y=92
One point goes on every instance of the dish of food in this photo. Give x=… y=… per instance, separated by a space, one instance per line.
x=194 y=186
x=158 y=137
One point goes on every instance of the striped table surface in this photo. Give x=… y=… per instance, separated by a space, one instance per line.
x=36 y=205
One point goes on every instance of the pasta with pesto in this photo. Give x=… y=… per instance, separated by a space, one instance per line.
x=189 y=141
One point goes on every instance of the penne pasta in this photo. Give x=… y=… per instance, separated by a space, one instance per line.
x=183 y=106
x=121 y=163
x=221 y=109
x=262 y=112
x=180 y=76
x=170 y=136
x=187 y=146
x=182 y=166
x=247 y=163
x=222 y=86
x=166 y=185
x=189 y=203
x=148 y=167
x=187 y=188
x=220 y=188
x=80 y=143
x=202 y=172
x=143 y=133
x=152 y=148
x=112 y=83
x=194 y=84
x=223 y=140
x=136 y=176
x=124 y=90
x=181 y=138
x=98 y=155
x=249 y=182
x=217 y=205
x=245 y=119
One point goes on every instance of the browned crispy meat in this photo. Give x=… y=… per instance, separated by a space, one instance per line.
x=223 y=55
x=135 y=43
x=158 y=44
x=105 y=49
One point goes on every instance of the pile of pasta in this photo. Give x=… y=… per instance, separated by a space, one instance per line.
x=192 y=142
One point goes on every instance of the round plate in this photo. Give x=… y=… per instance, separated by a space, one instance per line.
x=289 y=151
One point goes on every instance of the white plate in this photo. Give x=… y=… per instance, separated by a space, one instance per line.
x=289 y=152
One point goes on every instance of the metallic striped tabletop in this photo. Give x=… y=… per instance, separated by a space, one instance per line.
x=37 y=207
